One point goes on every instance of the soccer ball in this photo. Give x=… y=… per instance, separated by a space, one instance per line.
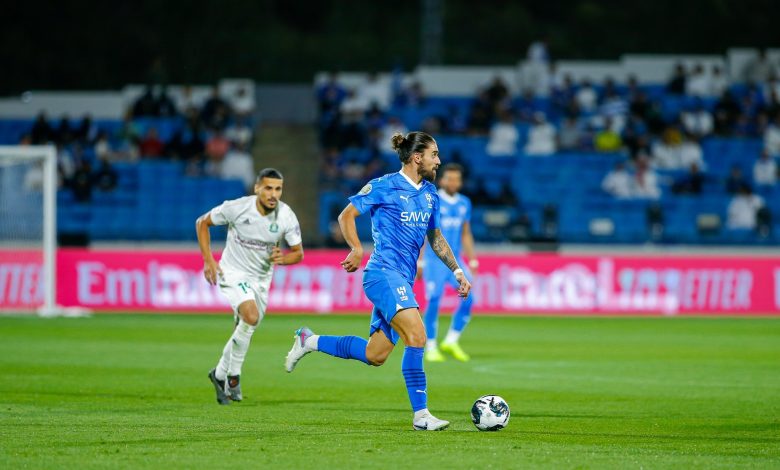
x=490 y=413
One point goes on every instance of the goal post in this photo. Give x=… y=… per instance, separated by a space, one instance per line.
x=28 y=230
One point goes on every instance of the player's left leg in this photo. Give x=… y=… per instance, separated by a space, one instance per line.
x=434 y=289
x=410 y=328
x=234 y=353
x=460 y=319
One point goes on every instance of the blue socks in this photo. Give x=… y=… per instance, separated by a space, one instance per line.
x=462 y=315
x=431 y=318
x=345 y=347
x=414 y=375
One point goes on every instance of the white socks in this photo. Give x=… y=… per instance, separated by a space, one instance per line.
x=421 y=414
x=452 y=336
x=312 y=343
x=235 y=351
x=431 y=344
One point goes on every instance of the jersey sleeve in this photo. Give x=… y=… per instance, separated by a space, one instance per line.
x=433 y=222
x=369 y=196
x=225 y=213
x=292 y=234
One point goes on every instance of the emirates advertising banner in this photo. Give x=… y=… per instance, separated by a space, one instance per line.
x=172 y=281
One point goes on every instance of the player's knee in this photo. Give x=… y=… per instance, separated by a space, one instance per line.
x=416 y=339
x=376 y=358
x=251 y=316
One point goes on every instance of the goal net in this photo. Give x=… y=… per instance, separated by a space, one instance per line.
x=28 y=244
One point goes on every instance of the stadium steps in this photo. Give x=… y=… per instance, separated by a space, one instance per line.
x=293 y=150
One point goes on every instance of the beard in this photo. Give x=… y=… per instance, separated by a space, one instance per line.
x=429 y=175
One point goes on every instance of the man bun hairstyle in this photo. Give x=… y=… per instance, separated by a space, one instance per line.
x=414 y=142
x=269 y=173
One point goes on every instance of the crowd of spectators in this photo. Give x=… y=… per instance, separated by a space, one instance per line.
x=213 y=138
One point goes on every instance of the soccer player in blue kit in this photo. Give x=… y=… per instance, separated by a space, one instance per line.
x=455 y=215
x=404 y=209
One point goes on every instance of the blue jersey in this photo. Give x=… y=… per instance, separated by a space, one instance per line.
x=401 y=214
x=454 y=212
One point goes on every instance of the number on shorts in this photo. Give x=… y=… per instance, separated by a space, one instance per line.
x=244 y=286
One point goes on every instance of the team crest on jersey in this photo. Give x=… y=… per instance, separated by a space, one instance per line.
x=365 y=190
x=430 y=200
x=273 y=228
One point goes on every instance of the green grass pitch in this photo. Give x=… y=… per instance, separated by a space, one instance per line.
x=131 y=391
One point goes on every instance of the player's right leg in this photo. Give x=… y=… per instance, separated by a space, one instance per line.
x=372 y=352
x=460 y=318
x=410 y=328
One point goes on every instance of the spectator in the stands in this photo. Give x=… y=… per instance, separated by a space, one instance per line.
x=498 y=95
x=127 y=139
x=507 y=196
x=480 y=115
x=66 y=164
x=216 y=111
x=374 y=92
x=243 y=102
x=586 y=97
x=103 y=148
x=238 y=165
x=735 y=180
x=538 y=66
x=165 y=105
x=666 y=152
x=146 y=104
x=618 y=182
x=541 y=136
x=105 y=177
x=41 y=131
x=698 y=83
x=392 y=126
x=570 y=135
x=676 y=85
x=87 y=131
x=759 y=69
x=65 y=130
x=718 y=81
x=691 y=153
x=608 y=139
x=614 y=107
x=186 y=100
x=772 y=137
x=526 y=106
x=217 y=146
x=635 y=135
x=82 y=182
x=240 y=131
x=151 y=145
x=743 y=209
x=765 y=170
x=645 y=181
x=330 y=95
x=504 y=137
x=698 y=121
x=691 y=183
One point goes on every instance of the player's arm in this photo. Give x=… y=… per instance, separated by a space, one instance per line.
x=210 y=266
x=442 y=249
x=468 y=246
x=349 y=229
x=295 y=255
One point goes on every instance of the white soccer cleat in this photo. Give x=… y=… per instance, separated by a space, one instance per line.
x=428 y=422
x=299 y=348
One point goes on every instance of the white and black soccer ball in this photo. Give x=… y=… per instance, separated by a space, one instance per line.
x=490 y=413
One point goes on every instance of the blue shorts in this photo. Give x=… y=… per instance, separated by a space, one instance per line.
x=436 y=276
x=390 y=293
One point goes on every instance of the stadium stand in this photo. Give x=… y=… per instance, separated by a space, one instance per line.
x=659 y=130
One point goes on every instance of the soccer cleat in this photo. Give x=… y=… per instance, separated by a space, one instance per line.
x=234 y=388
x=434 y=355
x=428 y=422
x=219 y=386
x=299 y=348
x=455 y=351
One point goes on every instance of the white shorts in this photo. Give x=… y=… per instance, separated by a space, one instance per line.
x=237 y=287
